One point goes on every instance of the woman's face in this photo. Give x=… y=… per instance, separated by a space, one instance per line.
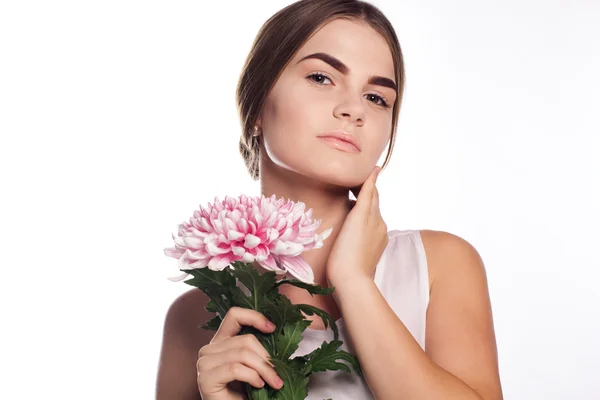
x=312 y=98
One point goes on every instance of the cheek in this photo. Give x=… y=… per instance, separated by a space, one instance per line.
x=287 y=119
x=381 y=135
x=297 y=104
x=385 y=132
x=294 y=114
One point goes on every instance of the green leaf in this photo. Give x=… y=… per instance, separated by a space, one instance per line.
x=216 y=285
x=257 y=394
x=281 y=310
x=327 y=319
x=258 y=284
x=211 y=306
x=240 y=299
x=312 y=289
x=221 y=302
x=212 y=325
x=325 y=358
x=294 y=384
x=271 y=295
x=289 y=340
x=298 y=363
x=267 y=340
x=218 y=281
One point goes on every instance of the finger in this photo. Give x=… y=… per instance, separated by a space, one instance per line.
x=375 y=200
x=244 y=356
x=356 y=190
x=237 y=342
x=366 y=192
x=237 y=317
x=221 y=376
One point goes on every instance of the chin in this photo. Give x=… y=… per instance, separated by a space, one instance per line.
x=343 y=178
x=331 y=169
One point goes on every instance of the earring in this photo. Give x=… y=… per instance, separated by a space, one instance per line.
x=256 y=131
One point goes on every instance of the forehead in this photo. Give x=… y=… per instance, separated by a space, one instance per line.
x=355 y=43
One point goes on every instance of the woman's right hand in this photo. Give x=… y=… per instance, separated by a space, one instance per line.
x=229 y=358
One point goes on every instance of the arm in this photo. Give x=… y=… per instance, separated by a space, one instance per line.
x=461 y=357
x=182 y=339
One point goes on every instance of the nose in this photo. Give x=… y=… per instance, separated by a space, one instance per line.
x=351 y=109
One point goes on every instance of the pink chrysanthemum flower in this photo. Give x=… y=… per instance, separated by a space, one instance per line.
x=274 y=233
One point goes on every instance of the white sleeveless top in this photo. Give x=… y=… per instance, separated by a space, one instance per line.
x=402 y=277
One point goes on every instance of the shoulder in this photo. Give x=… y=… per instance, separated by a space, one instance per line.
x=448 y=254
x=445 y=253
x=182 y=339
x=184 y=315
x=188 y=302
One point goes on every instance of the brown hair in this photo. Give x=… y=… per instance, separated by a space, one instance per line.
x=280 y=37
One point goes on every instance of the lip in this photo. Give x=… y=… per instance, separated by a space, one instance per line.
x=343 y=139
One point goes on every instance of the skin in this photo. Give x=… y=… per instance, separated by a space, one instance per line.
x=295 y=163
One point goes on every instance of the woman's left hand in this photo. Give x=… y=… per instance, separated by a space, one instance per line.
x=362 y=238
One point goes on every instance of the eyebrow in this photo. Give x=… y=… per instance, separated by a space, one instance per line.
x=343 y=68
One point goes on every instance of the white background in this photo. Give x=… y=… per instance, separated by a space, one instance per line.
x=117 y=120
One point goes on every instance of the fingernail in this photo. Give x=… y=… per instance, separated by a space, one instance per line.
x=278 y=381
x=270 y=325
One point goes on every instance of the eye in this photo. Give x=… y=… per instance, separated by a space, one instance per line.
x=317 y=75
x=384 y=103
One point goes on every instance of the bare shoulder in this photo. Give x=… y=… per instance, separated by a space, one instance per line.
x=186 y=313
x=191 y=304
x=441 y=247
x=182 y=339
x=459 y=330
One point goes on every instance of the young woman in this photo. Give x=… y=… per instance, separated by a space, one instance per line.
x=318 y=99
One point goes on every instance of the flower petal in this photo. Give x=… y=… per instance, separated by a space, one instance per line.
x=195 y=255
x=272 y=234
x=235 y=235
x=198 y=264
x=192 y=242
x=173 y=252
x=280 y=247
x=287 y=234
x=326 y=233
x=214 y=250
x=270 y=264
x=298 y=268
x=238 y=251
x=204 y=224
x=179 y=278
x=251 y=241
x=248 y=257
x=243 y=225
x=293 y=249
x=218 y=263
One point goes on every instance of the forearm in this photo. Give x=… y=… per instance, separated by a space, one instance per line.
x=394 y=364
